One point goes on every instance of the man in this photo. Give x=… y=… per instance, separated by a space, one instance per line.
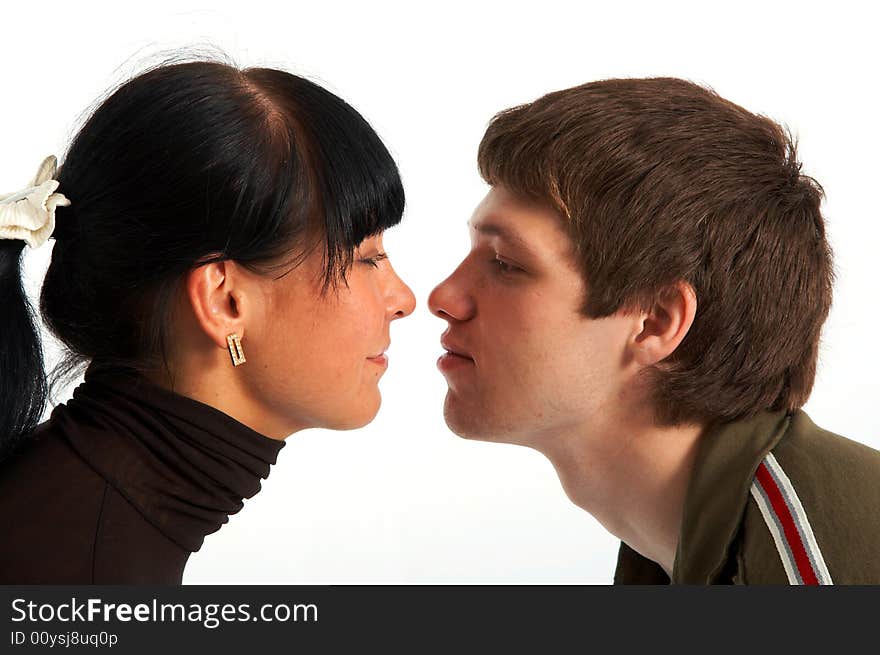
x=642 y=303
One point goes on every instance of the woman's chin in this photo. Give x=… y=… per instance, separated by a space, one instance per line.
x=354 y=418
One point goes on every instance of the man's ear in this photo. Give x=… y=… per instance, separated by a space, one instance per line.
x=665 y=326
x=217 y=298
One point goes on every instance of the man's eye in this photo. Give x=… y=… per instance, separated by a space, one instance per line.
x=504 y=266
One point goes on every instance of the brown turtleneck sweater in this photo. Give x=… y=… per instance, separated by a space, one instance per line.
x=122 y=483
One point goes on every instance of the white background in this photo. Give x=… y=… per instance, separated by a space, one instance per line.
x=403 y=500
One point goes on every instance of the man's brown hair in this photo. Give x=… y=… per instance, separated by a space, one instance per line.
x=661 y=180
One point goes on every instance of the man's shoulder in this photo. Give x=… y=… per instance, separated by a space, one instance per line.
x=804 y=437
x=819 y=500
x=838 y=476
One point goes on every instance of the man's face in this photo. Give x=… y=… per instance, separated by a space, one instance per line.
x=521 y=360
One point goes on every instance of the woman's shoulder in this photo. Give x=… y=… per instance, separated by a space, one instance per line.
x=44 y=474
x=49 y=503
x=130 y=550
x=67 y=524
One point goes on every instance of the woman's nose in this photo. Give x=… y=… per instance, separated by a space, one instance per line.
x=403 y=300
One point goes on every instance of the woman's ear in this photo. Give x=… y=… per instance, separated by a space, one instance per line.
x=665 y=326
x=217 y=297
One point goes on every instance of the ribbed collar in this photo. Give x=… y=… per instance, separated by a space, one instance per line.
x=186 y=466
x=726 y=461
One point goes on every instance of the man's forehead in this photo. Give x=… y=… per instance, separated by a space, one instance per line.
x=519 y=222
x=493 y=226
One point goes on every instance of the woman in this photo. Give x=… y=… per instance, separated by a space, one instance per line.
x=219 y=265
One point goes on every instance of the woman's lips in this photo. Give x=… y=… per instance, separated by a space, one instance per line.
x=380 y=359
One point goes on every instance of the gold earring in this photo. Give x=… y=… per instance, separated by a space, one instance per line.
x=235 y=351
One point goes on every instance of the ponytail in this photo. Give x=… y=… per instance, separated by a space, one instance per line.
x=23 y=388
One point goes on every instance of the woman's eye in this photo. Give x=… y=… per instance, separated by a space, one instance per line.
x=373 y=261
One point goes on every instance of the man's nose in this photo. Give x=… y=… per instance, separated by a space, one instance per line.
x=450 y=300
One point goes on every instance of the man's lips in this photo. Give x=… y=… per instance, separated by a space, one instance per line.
x=454 y=349
x=455 y=357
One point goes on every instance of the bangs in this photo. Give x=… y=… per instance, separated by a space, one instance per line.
x=337 y=180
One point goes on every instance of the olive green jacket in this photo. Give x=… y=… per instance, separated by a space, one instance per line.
x=727 y=535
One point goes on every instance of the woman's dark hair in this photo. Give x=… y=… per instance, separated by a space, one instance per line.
x=187 y=164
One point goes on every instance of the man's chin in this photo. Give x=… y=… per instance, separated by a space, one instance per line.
x=473 y=421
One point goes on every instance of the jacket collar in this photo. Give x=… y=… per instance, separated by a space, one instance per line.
x=716 y=499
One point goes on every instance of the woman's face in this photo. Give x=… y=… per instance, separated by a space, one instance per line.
x=316 y=359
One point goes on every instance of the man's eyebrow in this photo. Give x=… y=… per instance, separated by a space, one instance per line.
x=493 y=229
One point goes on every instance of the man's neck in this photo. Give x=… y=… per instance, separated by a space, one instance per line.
x=632 y=477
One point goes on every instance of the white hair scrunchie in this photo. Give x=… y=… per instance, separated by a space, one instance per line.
x=29 y=214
